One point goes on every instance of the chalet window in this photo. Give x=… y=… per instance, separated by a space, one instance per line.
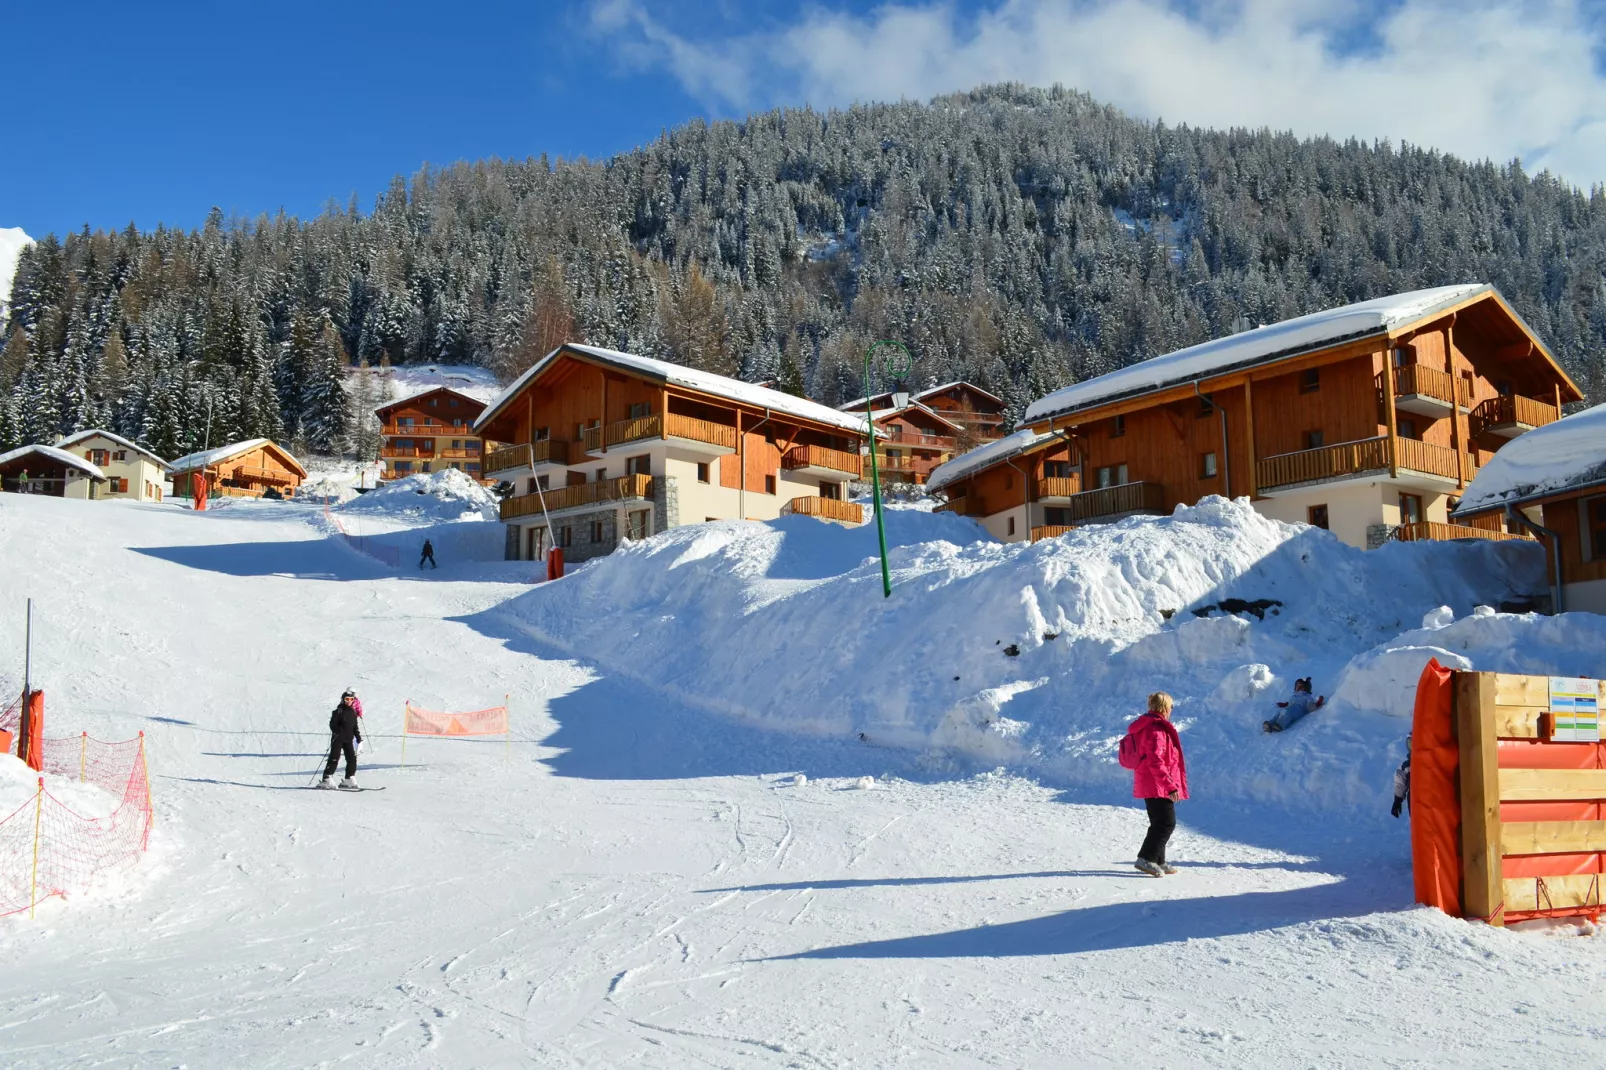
x=602 y=473
x=470 y=466
x=1404 y=355
x=97 y=456
x=1056 y=469
x=1120 y=475
x=1410 y=508
x=403 y=466
x=120 y=455
x=541 y=481
x=702 y=471
x=1207 y=466
x=1106 y=476
x=769 y=484
x=1310 y=380
x=1207 y=407
x=1407 y=428
x=565 y=537
x=1503 y=388
x=1316 y=516
x=596 y=531
x=541 y=434
x=638 y=466
x=1314 y=440
x=831 y=491
x=1012 y=525
x=452 y=402
x=1118 y=427
x=1594 y=511
x=639 y=411
x=404 y=421
x=1057 y=518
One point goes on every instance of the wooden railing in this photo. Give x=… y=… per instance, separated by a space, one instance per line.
x=608 y=490
x=423 y=430
x=825 y=509
x=1418 y=456
x=899 y=464
x=406 y=451
x=715 y=434
x=955 y=504
x=528 y=455
x=1050 y=531
x=821 y=457
x=1430 y=531
x=263 y=475
x=460 y=454
x=1058 y=487
x=1115 y=501
x=1512 y=410
x=1429 y=382
x=919 y=442
x=1324 y=462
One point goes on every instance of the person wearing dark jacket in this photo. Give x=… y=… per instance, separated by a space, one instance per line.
x=427 y=555
x=345 y=732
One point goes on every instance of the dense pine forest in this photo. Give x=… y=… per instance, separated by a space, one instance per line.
x=1020 y=238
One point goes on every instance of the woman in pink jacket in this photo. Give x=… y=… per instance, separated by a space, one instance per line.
x=1152 y=749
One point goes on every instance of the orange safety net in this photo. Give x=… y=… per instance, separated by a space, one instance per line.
x=1435 y=796
x=491 y=722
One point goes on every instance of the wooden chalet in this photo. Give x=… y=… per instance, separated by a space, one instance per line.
x=1552 y=484
x=607 y=445
x=977 y=414
x=1369 y=420
x=430 y=431
x=47 y=470
x=241 y=470
x=912 y=441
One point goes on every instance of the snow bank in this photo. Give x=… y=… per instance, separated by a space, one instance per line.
x=448 y=495
x=1036 y=656
x=18 y=784
x=1570 y=452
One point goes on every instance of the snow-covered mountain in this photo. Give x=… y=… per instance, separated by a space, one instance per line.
x=12 y=242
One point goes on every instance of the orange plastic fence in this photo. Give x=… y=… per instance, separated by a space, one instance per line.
x=47 y=849
x=491 y=722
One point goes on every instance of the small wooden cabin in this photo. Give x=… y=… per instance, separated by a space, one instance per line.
x=47 y=470
x=241 y=470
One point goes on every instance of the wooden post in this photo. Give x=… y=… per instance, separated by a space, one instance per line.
x=1557 y=385
x=1249 y=438
x=1474 y=701
x=1388 y=412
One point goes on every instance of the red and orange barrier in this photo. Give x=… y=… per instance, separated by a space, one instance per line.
x=494 y=721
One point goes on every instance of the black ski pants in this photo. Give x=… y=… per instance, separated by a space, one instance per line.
x=427 y=557
x=336 y=747
x=1162 y=822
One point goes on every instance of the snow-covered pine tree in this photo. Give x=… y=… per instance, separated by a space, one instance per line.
x=327 y=420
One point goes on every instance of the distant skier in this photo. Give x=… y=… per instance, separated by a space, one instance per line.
x=428 y=555
x=345 y=732
x=1402 y=781
x=1152 y=749
x=1295 y=709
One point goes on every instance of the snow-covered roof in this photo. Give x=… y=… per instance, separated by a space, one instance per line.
x=881 y=414
x=207 y=458
x=689 y=378
x=985 y=457
x=1547 y=460
x=96 y=432
x=427 y=390
x=958 y=382
x=1274 y=341
x=59 y=456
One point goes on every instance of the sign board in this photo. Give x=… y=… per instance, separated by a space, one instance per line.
x=1574 y=710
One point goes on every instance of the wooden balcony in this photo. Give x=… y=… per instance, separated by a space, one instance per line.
x=275 y=476
x=460 y=455
x=916 y=442
x=1512 y=414
x=527 y=455
x=407 y=451
x=821 y=461
x=1425 y=391
x=956 y=505
x=824 y=509
x=1322 y=463
x=624 y=488
x=429 y=430
x=1429 y=531
x=702 y=435
x=1414 y=456
x=1050 y=531
x=1112 y=503
x=1057 y=490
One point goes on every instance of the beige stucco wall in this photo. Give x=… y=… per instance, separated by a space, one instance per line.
x=1586 y=597
x=138 y=470
x=1352 y=508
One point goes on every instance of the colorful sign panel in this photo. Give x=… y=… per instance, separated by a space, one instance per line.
x=1574 y=710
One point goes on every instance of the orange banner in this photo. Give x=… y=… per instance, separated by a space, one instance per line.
x=491 y=722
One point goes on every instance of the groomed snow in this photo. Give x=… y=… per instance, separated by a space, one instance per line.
x=1378 y=316
x=71 y=460
x=691 y=379
x=1568 y=453
x=641 y=877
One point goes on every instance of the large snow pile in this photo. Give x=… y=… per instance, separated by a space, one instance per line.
x=19 y=783
x=1570 y=452
x=337 y=481
x=12 y=242
x=447 y=495
x=1037 y=656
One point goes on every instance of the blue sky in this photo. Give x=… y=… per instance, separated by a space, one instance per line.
x=117 y=113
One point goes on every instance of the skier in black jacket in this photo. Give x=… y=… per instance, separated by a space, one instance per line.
x=345 y=732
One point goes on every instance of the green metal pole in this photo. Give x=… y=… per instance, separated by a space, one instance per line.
x=875 y=469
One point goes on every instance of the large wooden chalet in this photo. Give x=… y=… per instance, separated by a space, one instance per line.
x=247 y=469
x=430 y=431
x=1369 y=420
x=606 y=445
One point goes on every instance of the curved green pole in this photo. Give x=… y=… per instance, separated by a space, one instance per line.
x=895 y=369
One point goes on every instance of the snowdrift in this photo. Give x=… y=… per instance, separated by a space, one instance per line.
x=1036 y=657
x=434 y=497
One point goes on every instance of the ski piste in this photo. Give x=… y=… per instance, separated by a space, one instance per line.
x=315 y=787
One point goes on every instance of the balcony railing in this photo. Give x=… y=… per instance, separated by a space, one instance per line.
x=917 y=442
x=822 y=457
x=406 y=451
x=956 y=505
x=1324 y=462
x=1418 y=456
x=825 y=509
x=1512 y=413
x=1114 y=502
x=527 y=455
x=1430 y=531
x=657 y=426
x=689 y=427
x=624 y=488
x=460 y=455
x=1058 y=487
x=1428 y=382
x=426 y=430
x=1050 y=531
x=252 y=474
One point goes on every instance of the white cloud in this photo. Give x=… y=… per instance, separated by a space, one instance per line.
x=1497 y=79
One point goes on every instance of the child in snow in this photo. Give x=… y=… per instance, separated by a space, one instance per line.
x=1295 y=708
x=345 y=732
x=1402 y=781
x=427 y=555
x=1152 y=749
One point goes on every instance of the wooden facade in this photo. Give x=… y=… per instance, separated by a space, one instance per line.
x=431 y=432
x=243 y=470
x=912 y=441
x=975 y=416
x=705 y=451
x=1363 y=435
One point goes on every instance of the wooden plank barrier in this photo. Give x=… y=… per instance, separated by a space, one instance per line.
x=1531 y=783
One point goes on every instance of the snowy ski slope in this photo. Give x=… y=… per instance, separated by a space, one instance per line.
x=644 y=881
